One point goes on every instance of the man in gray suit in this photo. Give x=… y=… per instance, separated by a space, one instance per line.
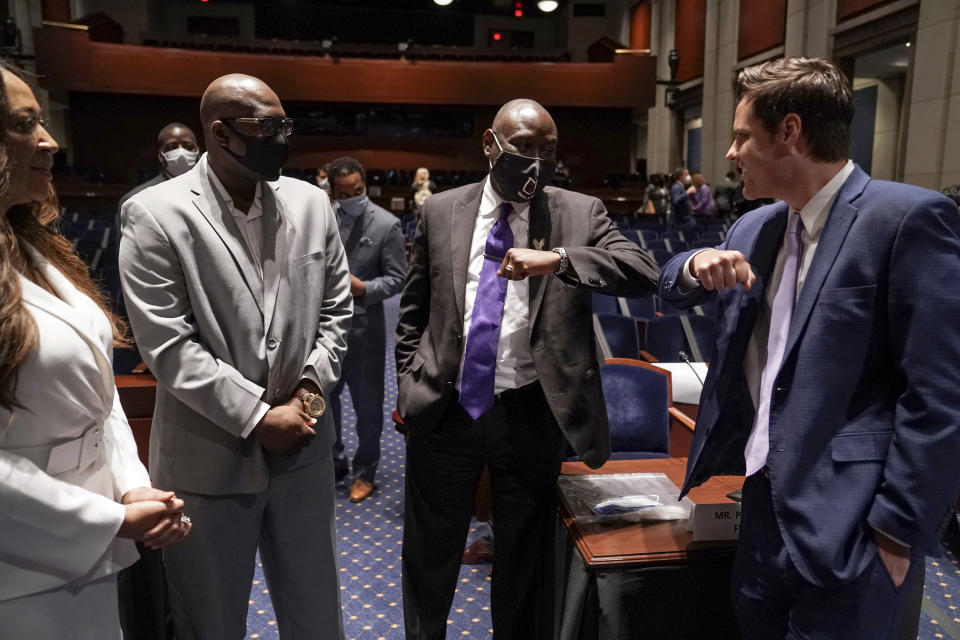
x=375 y=251
x=497 y=366
x=238 y=293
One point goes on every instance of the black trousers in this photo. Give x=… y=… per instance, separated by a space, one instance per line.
x=520 y=442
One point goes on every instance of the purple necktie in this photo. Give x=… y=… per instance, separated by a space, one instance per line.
x=758 y=445
x=480 y=356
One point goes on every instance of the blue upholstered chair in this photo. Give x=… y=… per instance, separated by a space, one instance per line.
x=621 y=335
x=638 y=399
x=604 y=304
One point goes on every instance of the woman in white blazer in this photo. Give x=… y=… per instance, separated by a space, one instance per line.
x=73 y=493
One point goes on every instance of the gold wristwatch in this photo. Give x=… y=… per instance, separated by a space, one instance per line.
x=313 y=403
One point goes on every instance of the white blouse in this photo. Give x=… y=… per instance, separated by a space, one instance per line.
x=68 y=455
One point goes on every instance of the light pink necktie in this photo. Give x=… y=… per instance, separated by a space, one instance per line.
x=759 y=442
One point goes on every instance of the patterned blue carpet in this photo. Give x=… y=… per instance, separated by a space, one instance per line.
x=371 y=536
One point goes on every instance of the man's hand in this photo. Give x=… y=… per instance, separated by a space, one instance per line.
x=520 y=263
x=721 y=270
x=895 y=557
x=285 y=429
x=357 y=288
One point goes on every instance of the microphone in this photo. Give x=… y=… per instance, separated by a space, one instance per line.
x=686 y=358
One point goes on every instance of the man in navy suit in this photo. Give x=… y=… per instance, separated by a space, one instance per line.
x=833 y=378
x=376 y=254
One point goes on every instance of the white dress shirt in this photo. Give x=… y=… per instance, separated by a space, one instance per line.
x=250 y=225
x=515 y=366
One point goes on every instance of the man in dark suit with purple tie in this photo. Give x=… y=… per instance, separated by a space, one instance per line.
x=833 y=380
x=497 y=365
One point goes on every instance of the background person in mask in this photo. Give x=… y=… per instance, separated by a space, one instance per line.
x=239 y=297
x=494 y=320
x=323 y=181
x=176 y=153
x=374 y=245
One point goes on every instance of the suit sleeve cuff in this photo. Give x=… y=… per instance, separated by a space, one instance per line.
x=258 y=413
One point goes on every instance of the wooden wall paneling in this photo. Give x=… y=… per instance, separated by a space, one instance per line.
x=690 y=31
x=762 y=26
x=640 y=25
x=850 y=8
x=67 y=60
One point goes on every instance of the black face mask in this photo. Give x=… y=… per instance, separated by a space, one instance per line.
x=265 y=156
x=519 y=178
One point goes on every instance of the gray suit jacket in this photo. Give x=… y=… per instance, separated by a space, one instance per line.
x=220 y=342
x=430 y=331
x=379 y=260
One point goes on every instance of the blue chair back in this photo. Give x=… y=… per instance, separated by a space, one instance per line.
x=621 y=334
x=637 y=397
x=604 y=304
x=642 y=307
x=664 y=336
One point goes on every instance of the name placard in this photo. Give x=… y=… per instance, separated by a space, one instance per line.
x=715 y=521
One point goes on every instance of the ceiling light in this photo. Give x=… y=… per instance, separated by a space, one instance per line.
x=547 y=5
x=442 y=3
x=908 y=44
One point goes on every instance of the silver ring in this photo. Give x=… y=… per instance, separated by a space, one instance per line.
x=184 y=519
x=509 y=267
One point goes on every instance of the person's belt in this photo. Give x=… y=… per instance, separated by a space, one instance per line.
x=76 y=454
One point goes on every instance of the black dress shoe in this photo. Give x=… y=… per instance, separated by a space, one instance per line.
x=340 y=468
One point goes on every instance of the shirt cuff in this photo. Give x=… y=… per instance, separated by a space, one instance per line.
x=686 y=282
x=255 y=419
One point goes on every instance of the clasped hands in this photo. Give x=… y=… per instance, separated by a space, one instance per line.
x=153 y=517
x=287 y=428
x=519 y=263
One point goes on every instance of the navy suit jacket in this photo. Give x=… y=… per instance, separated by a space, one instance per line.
x=865 y=414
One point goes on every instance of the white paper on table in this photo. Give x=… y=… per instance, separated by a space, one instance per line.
x=686 y=387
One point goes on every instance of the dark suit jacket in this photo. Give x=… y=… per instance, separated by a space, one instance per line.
x=864 y=421
x=379 y=260
x=430 y=331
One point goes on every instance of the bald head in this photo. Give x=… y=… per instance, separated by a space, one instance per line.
x=236 y=95
x=523 y=110
x=522 y=126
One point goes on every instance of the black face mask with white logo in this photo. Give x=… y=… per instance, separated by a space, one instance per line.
x=265 y=155
x=520 y=178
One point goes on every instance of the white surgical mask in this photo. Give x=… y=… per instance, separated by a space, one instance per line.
x=323 y=183
x=178 y=161
x=355 y=206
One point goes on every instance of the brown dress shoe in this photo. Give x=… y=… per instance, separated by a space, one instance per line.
x=360 y=490
x=476 y=553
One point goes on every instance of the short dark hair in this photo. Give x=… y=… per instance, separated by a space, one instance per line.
x=953 y=192
x=731 y=175
x=343 y=167
x=813 y=88
x=678 y=173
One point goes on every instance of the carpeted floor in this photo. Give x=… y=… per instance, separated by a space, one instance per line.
x=371 y=536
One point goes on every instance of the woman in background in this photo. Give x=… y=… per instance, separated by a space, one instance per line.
x=73 y=493
x=701 y=199
x=421 y=188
